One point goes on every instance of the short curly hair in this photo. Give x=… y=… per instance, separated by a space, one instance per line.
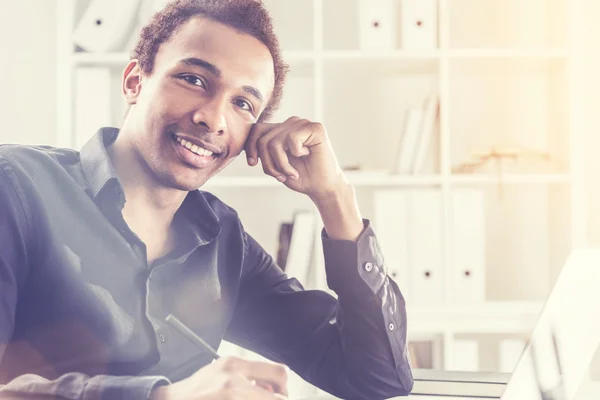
x=247 y=16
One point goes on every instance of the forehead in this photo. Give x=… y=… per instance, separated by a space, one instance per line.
x=240 y=57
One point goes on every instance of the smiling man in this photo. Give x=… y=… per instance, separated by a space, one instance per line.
x=103 y=249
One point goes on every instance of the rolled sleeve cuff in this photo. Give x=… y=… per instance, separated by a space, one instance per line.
x=354 y=265
x=122 y=387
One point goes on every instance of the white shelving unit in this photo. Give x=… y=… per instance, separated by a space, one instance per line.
x=507 y=72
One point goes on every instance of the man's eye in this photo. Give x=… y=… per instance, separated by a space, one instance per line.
x=244 y=105
x=194 y=80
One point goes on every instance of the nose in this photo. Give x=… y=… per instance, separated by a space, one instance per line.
x=211 y=115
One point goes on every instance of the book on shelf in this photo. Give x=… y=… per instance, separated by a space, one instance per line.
x=299 y=253
x=285 y=235
x=416 y=137
x=300 y=250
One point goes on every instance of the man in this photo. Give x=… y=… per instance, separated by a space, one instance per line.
x=100 y=247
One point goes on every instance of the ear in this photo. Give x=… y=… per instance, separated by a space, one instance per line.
x=132 y=82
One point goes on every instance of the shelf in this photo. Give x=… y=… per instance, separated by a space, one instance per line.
x=355 y=178
x=387 y=55
x=509 y=53
x=385 y=179
x=516 y=179
x=489 y=317
x=120 y=58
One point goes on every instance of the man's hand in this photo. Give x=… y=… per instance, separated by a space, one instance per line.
x=298 y=153
x=229 y=378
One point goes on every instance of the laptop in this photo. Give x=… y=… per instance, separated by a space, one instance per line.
x=557 y=356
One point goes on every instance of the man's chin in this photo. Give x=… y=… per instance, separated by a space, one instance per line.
x=186 y=184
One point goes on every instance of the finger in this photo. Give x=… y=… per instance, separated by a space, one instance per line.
x=270 y=373
x=279 y=156
x=258 y=130
x=296 y=147
x=267 y=145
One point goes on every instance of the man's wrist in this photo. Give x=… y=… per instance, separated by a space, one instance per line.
x=159 y=393
x=340 y=214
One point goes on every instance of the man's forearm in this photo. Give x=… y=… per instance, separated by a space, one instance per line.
x=340 y=214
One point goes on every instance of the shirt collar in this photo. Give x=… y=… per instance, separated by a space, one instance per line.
x=95 y=162
x=99 y=173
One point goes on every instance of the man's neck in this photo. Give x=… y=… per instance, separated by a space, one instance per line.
x=149 y=205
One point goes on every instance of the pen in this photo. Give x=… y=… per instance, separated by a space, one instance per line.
x=199 y=341
x=191 y=335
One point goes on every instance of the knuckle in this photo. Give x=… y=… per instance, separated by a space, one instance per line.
x=231 y=364
x=272 y=145
x=281 y=372
x=317 y=127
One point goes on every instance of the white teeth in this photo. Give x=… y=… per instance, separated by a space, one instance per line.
x=194 y=148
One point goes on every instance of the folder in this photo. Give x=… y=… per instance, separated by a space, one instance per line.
x=419 y=24
x=105 y=25
x=390 y=223
x=425 y=244
x=467 y=269
x=376 y=24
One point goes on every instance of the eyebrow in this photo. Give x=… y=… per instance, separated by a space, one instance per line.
x=213 y=69
x=253 y=91
x=197 y=62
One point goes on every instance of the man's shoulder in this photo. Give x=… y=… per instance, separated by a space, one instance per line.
x=36 y=156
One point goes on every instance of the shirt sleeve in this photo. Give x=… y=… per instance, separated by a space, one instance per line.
x=15 y=237
x=354 y=346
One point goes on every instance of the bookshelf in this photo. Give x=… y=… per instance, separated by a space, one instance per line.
x=507 y=73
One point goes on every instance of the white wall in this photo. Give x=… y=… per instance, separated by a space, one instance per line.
x=592 y=72
x=27 y=71
x=28 y=84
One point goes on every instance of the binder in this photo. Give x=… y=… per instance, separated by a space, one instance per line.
x=376 y=24
x=419 y=24
x=425 y=244
x=92 y=108
x=467 y=267
x=105 y=25
x=408 y=227
x=390 y=223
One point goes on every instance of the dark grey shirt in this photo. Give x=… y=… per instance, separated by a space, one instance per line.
x=82 y=314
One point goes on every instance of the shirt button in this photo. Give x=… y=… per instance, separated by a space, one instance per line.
x=118 y=190
x=368 y=266
x=391 y=326
x=161 y=337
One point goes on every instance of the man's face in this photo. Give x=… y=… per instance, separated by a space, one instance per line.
x=191 y=117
